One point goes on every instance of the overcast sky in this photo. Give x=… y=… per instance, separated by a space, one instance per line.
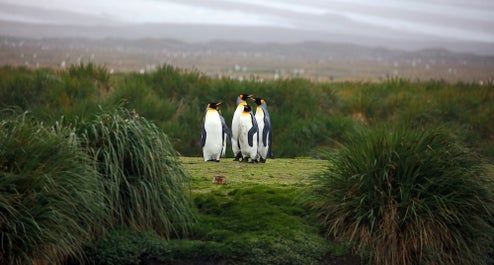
x=470 y=20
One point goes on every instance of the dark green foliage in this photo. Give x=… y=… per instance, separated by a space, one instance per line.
x=305 y=115
x=145 y=183
x=138 y=165
x=24 y=88
x=253 y=225
x=50 y=194
x=259 y=225
x=126 y=246
x=50 y=94
x=60 y=188
x=119 y=246
x=408 y=196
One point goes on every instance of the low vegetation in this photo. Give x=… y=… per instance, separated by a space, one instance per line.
x=106 y=169
x=306 y=116
x=140 y=174
x=50 y=199
x=256 y=218
x=405 y=196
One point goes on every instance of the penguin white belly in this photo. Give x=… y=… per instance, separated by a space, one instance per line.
x=213 y=144
x=235 y=128
x=262 y=149
x=247 y=150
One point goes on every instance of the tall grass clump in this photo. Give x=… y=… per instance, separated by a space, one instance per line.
x=403 y=196
x=142 y=176
x=50 y=198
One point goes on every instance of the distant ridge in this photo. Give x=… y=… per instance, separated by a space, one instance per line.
x=208 y=33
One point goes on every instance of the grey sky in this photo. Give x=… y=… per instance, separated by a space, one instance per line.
x=469 y=20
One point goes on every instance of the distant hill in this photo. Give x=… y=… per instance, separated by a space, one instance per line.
x=244 y=59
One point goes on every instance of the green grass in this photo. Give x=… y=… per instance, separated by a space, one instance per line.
x=276 y=172
x=408 y=196
x=275 y=228
x=145 y=183
x=50 y=194
x=256 y=218
x=135 y=157
x=306 y=116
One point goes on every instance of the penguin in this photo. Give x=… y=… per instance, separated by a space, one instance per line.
x=265 y=133
x=241 y=102
x=215 y=133
x=248 y=135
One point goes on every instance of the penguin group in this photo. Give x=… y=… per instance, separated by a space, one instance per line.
x=250 y=134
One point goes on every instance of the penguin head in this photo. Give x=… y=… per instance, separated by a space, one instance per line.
x=247 y=108
x=242 y=98
x=258 y=101
x=214 y=105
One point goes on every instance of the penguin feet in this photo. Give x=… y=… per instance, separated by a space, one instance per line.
x=237 y=157
x=246 y=160
x=213 y=160
x=262 y=160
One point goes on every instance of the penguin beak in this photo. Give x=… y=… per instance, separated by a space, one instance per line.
x=219 y=103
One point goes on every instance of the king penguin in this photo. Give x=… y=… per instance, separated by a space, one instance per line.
x=248 y=135
x=215 y=133
x=265 y=133
x=241 y=102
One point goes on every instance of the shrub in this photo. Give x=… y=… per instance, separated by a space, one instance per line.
x=140 y=171
x=126 y=246
x=118 y=246
x=23 y=87
x=405 y=196
x=50 y=198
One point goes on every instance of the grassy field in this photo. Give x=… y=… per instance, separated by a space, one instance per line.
x=258 y=217
x=260 y=212
x=275 y=172
x=263 y=214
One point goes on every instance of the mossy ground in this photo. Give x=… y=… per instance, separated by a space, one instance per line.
x=257 y=216
x=287 y=173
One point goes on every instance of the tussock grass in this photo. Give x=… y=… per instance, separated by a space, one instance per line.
x=404 y=196
x=50 y=194
x=144 y=180
x=305 y=115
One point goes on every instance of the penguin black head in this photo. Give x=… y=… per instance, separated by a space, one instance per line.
x=247 y=108
x=258 y=101
x=214 y=105
x=245 y=96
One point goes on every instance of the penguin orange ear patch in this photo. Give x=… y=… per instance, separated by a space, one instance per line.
x=219 y=180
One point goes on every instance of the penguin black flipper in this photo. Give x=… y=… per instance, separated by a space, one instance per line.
x=266 y=133
x=254 y=129
x=270 y=137
x=226 y=130
x=203 y=135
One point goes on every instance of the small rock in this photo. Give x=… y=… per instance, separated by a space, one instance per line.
x=219 y=180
